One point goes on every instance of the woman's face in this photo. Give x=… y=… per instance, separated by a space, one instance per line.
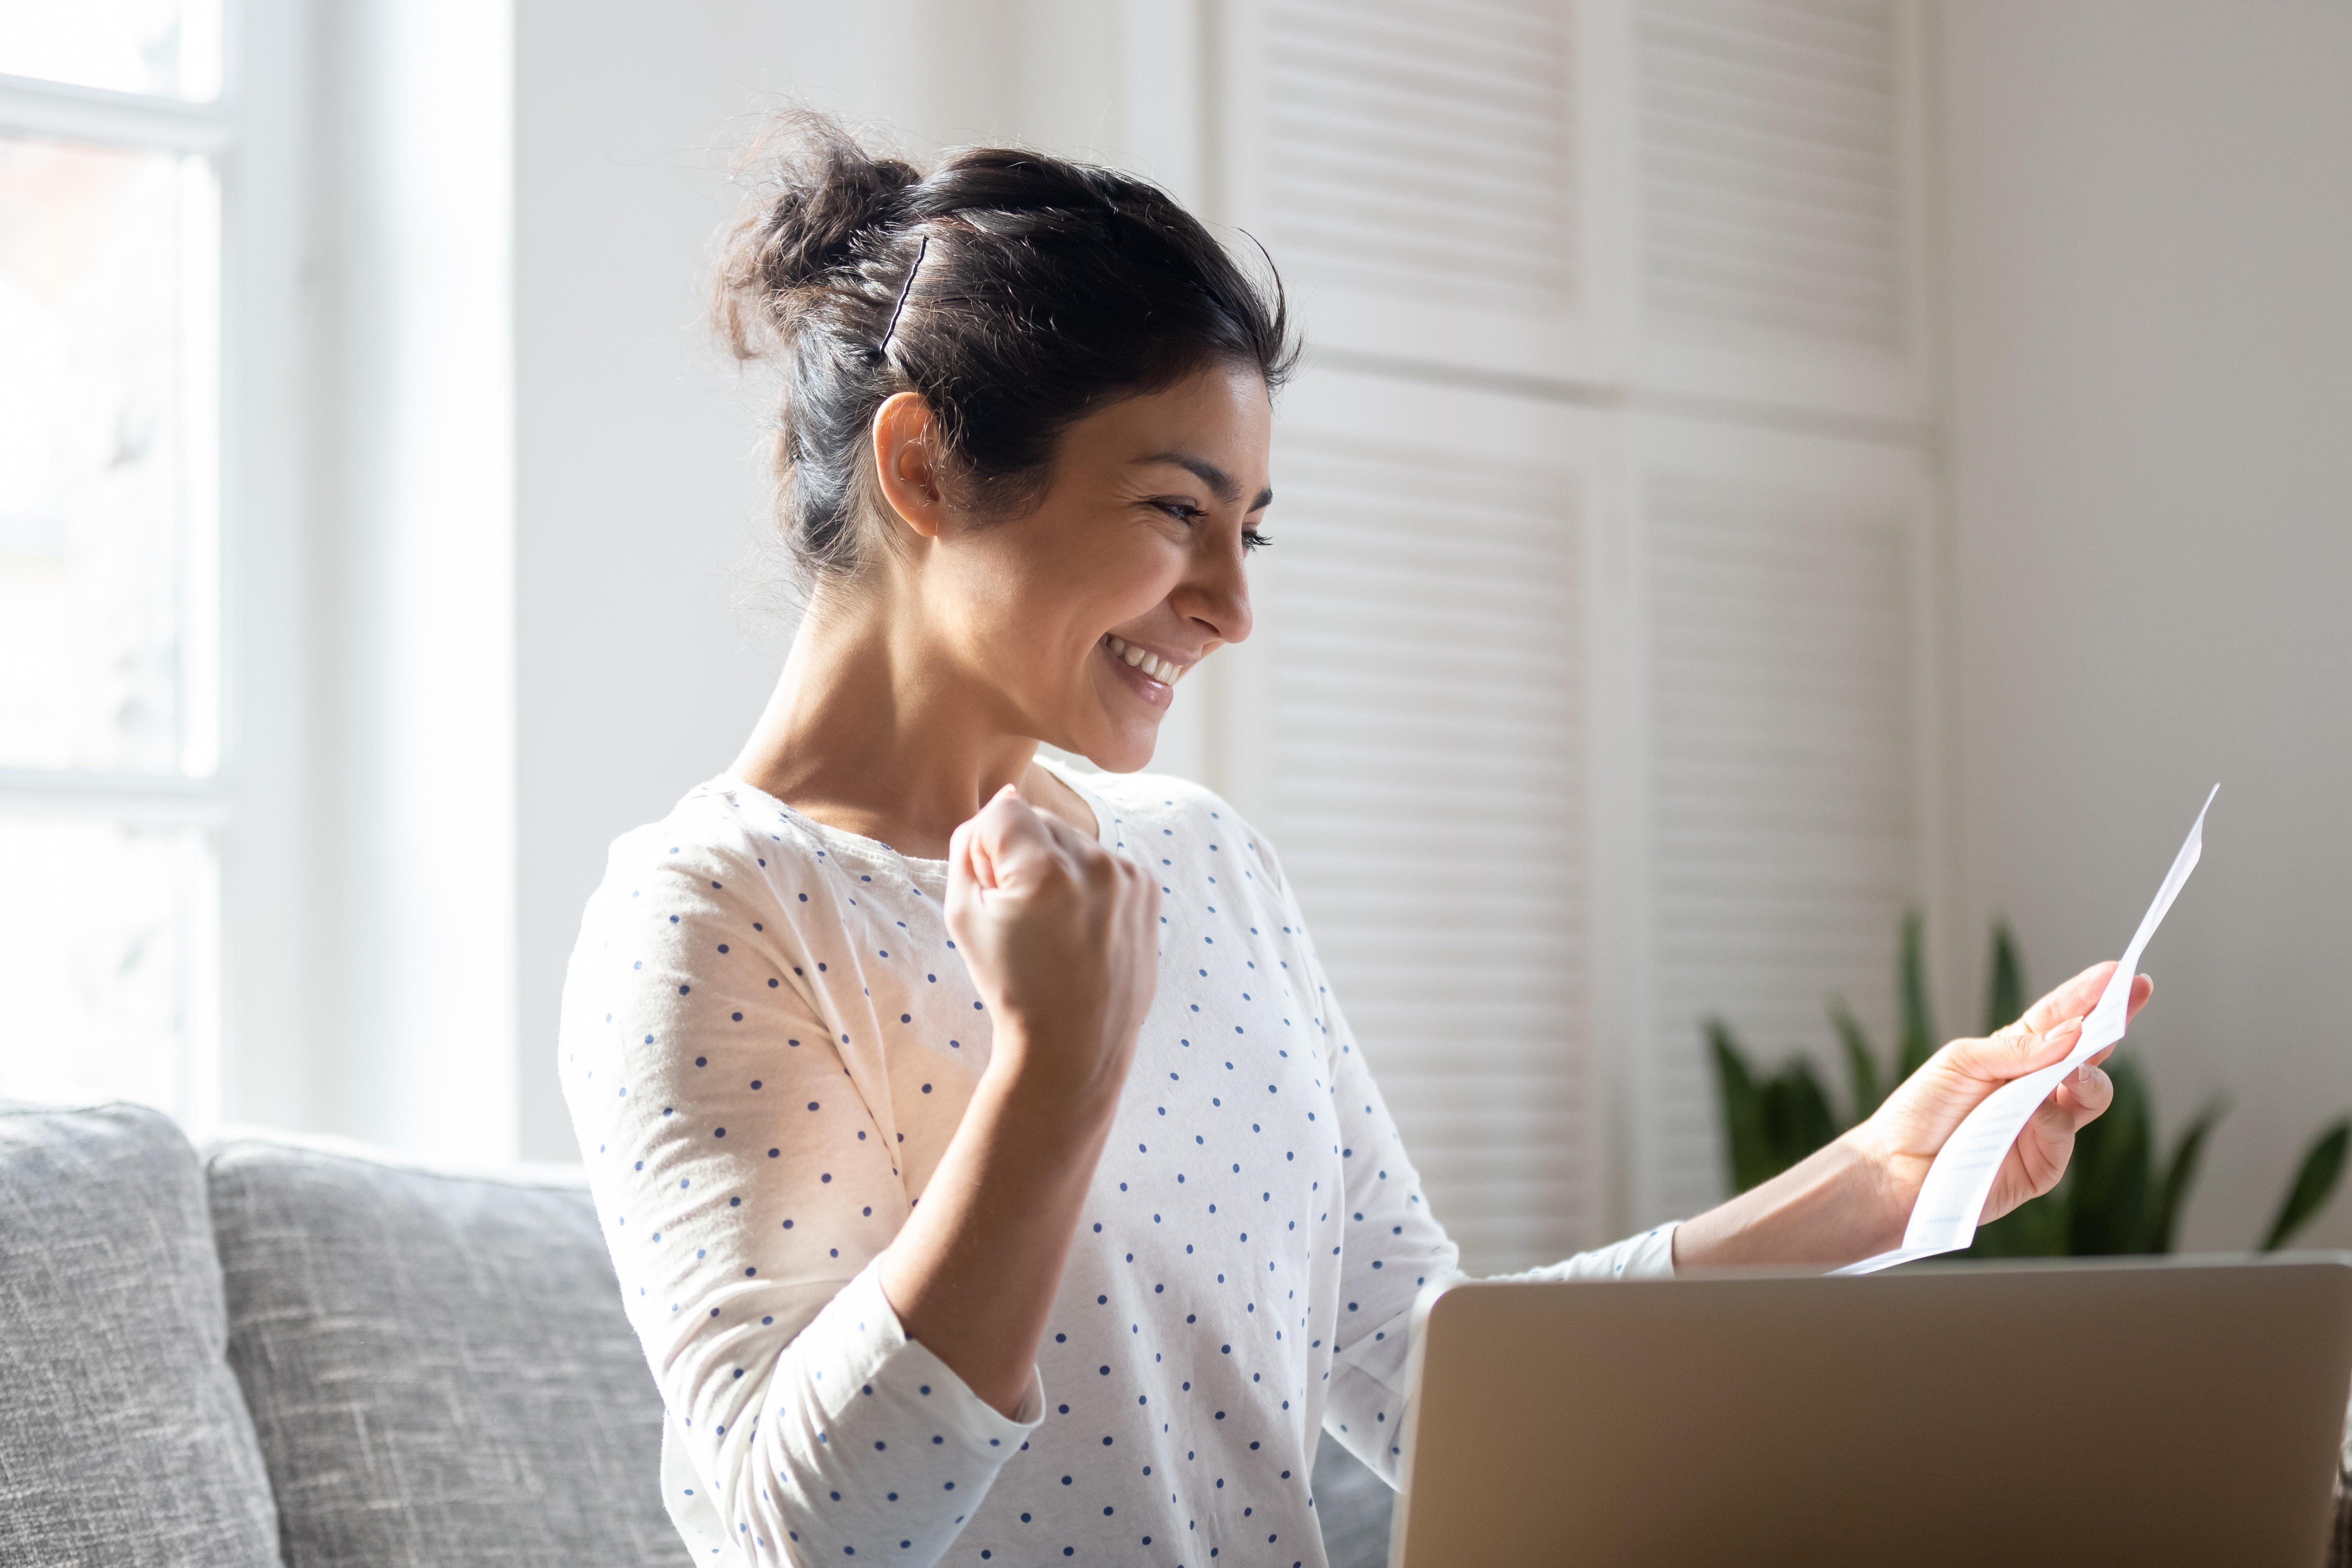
x=1079 y=621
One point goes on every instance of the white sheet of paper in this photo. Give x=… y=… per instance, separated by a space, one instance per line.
x=1944 y=1217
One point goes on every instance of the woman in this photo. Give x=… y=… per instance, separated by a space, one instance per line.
x=989 y=1171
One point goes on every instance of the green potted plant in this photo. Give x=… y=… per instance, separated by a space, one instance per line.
x=2120 y=1193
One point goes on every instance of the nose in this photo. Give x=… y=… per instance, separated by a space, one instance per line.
x=1215 y=596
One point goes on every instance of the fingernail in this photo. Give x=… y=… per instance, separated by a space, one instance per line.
x=2087 y=1077
x=2071 y=1027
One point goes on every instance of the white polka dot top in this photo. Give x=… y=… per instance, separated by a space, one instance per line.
x=768 y=1039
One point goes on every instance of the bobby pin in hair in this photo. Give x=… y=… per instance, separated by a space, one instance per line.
x=905 y=288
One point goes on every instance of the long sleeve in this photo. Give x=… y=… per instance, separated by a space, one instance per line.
x=748 y=1178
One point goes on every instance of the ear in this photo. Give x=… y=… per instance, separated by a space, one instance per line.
x=906 y=462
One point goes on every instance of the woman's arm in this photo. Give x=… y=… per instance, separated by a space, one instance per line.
x=1061 y=938
x=1853 y=1198
x=747 y=1190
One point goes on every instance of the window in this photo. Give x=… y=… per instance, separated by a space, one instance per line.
x=114 y=129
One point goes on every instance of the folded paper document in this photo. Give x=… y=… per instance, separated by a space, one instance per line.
x=1944 y=1219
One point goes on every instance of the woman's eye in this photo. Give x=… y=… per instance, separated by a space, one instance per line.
x=1182 y=511
x=1253 y=540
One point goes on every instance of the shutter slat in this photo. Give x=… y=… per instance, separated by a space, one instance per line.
x=1771 y=170
x=1421 y=150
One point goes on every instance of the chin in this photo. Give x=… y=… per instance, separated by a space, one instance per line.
x=1124 y=754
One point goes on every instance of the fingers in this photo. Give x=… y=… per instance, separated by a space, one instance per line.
x=2082 y=1096
x=2071 y=1000
x=967 y=881
x=2010 y=1054
x=968 y=847
x=2041 y=1151
x=2078 y=996
x=1010 y=841
x=962 y=858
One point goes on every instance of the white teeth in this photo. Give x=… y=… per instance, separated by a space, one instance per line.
x=1165 y=670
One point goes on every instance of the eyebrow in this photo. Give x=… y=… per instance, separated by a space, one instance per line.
x=1219 y=482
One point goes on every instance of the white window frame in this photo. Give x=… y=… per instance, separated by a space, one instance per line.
x=253 y=132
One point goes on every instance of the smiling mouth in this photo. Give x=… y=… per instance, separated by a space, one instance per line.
x=1151 y=664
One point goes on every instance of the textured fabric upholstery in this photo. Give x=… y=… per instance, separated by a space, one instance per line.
x=123 y=1442
x=438 y=1367
x=1352 y=1505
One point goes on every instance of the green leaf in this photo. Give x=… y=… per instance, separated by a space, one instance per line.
x=1797 y=1116
x=1861 y=1061
x=2313 y=1184
x=1918 y=1029
x=2034 y=1229
x=1743 y=1110
x=2179 y=1175
x=2005 y=999
x=1770 y=1122
x=2109 y=1185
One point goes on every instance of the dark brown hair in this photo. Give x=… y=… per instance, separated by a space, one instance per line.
x=1047 y=289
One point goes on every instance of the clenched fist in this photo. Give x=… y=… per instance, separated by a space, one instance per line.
x=1062 y=939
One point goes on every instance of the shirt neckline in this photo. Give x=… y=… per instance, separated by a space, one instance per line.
x=917 y=868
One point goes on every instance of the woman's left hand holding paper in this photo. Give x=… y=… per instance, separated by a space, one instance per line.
x=1853 y=1198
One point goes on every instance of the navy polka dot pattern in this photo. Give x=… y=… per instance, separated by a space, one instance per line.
x=768 y=1041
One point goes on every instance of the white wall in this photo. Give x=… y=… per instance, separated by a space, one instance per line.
x=2148 y=244
x=635 y=487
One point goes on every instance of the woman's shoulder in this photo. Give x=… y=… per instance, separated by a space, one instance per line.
x=719 y=824
x=1153 y=799
x=731 y=881
x=1163 y=815
x=729 y=846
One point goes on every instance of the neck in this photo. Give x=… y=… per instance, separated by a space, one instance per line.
x=871 y=730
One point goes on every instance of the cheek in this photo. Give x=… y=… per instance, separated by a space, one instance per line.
x=1073 y=601
x=1030 y=598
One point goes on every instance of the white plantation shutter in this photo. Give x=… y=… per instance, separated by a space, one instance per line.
x=1412 y=153
x=1784 y=691
x=1775 y=157
x=1411 y=739
x=1659 y=669
x=1772 y=177
x=1415 y=165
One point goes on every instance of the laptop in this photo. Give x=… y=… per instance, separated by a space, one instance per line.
x=2135 y=1411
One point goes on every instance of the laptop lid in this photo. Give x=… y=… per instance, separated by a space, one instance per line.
x=2144 y=1411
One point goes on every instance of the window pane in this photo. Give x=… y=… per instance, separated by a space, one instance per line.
x=109 y=955
x=108 y=395
x=167 y=46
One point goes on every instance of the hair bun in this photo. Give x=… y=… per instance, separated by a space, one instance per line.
x=821 y=204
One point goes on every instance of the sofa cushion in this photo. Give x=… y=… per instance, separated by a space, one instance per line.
x=123 y=1441
x=1353 y=1506
x=438 y=1366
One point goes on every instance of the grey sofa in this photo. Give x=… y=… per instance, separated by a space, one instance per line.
x=277 y=1354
